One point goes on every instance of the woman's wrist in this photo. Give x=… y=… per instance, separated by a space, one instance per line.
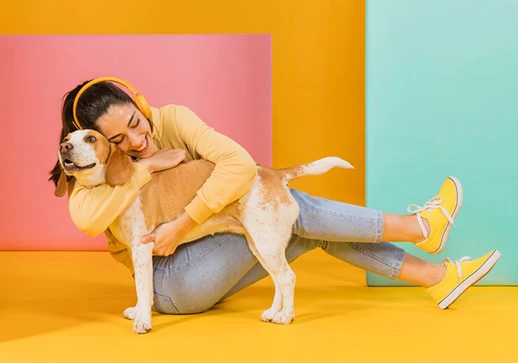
x=187 y=223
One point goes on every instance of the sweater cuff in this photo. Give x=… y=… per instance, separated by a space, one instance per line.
x=142 y=175
x=198 y=210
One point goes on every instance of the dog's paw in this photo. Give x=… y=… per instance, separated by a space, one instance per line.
x=283 y=317
x=268 y=315
x=130 y=313
x=142 y=323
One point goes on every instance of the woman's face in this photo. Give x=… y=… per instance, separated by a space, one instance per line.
x=125 y=126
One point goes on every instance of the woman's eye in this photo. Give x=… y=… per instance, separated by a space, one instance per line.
x=118 y=142
x=91 y=139
x=136 y=124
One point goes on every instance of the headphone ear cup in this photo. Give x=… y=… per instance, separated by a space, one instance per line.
x=143 y=106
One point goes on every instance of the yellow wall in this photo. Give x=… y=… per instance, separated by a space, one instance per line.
x=318 y=69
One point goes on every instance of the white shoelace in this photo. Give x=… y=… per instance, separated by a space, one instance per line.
x=458 y=262
x=429 y=206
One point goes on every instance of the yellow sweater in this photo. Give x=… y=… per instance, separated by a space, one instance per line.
x=94 y=210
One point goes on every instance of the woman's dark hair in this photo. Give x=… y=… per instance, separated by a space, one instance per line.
x=92 y=104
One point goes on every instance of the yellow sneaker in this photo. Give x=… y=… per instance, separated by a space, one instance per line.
x=440 y=212
x=460 y=275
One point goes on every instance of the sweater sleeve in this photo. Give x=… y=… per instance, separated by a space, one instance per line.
x=93 y=210
x=235 y=170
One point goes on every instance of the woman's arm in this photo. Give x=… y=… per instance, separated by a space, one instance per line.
x=235 y=170
x=93 y=210
x=233 y=175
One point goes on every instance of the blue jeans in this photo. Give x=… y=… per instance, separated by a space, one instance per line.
x=203 y=272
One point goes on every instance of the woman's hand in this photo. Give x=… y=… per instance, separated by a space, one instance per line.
x=168 y=236
x=163 y=159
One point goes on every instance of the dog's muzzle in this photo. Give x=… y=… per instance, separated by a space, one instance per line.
x=66 y=150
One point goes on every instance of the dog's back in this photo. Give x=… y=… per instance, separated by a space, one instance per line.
x=165 y=197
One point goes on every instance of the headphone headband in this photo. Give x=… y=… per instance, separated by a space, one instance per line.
x=139 y=100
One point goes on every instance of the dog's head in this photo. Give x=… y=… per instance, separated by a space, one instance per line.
x=92 y=160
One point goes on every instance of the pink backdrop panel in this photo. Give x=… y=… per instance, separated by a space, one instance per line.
x=224 y=79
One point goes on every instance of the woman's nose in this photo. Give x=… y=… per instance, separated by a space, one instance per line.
x=134 y=141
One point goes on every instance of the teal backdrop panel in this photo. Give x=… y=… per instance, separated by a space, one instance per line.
x=442 y=99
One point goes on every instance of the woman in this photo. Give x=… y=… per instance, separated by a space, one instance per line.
x=203 y=272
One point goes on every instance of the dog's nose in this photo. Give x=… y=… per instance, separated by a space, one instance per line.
x=65 y=146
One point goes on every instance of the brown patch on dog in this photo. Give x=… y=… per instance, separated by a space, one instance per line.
x=273 y=188
x=171 y=190
x=102 y=147
x=291 y=172
x=119 y=167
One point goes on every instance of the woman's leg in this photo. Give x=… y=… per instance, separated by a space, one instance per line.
x=420 y=272
x=334 y=221
x=206 y=271
x=428 y=226
x=402 y=228
x=327 y=219
x=201 y=273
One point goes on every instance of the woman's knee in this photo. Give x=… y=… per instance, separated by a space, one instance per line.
x=165 y=305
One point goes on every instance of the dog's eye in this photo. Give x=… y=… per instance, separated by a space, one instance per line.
x=90 y=139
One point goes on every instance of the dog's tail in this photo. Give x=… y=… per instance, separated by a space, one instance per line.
x=315 y=168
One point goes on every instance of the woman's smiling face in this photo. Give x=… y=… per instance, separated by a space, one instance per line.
x=125 y=126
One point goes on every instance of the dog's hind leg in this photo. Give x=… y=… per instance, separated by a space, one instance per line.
x=271 y=254
x=277 y=299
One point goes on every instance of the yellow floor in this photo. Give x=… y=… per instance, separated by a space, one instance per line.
x=66 y=307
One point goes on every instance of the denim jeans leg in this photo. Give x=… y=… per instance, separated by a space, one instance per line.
x=333 y=221
x=203 y=272
x=351 y=233
x=296 y=248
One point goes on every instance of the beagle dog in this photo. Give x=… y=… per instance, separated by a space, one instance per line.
x=265 y=215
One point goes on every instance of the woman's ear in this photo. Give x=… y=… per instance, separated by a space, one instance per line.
x=119 y=167
x=62 y=186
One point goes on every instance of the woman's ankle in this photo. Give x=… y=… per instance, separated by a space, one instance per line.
x=439 y=271
x=417 y=233
x=402 y=228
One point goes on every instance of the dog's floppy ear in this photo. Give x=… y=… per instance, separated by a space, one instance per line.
x=119 y=167
x=62 y=186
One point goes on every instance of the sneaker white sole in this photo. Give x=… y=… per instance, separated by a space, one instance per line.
x=470 y=280
x=460 y=196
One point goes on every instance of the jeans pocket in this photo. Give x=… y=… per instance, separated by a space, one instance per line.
x=163 y=304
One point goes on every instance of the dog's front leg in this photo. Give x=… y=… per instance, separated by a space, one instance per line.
x=143 y=266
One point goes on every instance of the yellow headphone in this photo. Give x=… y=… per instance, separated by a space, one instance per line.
x=139 y=100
